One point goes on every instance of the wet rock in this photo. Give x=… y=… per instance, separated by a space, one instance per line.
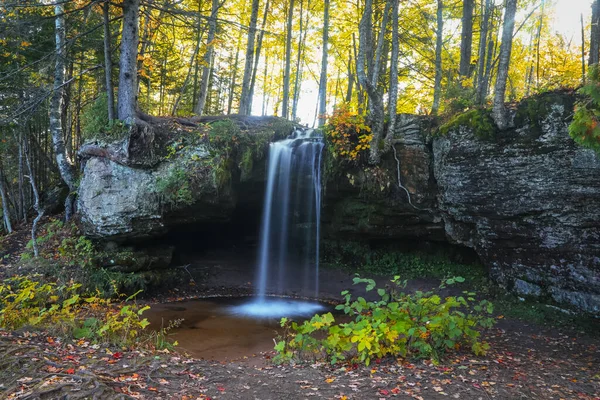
x=527 y=201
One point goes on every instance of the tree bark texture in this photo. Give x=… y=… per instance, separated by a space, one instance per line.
x=67 y=171
x=508 y=25
x=466 y=39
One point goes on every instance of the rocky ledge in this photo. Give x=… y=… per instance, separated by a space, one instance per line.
x=171 y=172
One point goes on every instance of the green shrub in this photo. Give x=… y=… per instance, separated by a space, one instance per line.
x=25 y=301
x=585 y=129
x=419 y=325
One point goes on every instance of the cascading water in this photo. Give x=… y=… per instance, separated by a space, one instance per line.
x=290 y=229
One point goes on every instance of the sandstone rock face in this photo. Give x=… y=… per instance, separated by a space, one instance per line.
x=368 y=203
x=193 y=176
x=527 y=201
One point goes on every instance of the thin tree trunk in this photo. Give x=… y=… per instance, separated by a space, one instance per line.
x=5 y=208
x=36 y=202
x=110 y=92
x=582 y=51
x=186 y=81
x=376 y=68
x=595 y=34
x=234 y=76
x=324 y=55
x=480 y=97
x=288 y=60
x=537 y=50
x=350 y=78
x=298 y=77
x=393 y=100
x=245 y=100
x=466 y=40
x=128 y=62
x=437 y=86
x=208 y=58
x=499 y=110
x=257 y=54
x=65 y=166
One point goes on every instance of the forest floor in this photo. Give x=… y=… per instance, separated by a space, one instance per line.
x=526 y=361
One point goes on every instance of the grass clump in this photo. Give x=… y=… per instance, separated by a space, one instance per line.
x=479 y=120
x=418 y=325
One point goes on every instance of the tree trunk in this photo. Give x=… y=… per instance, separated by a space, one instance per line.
x=466 y=40
x=234 y=74
x=595 y=34
x=350 y=78
x=324 y=54
x=480 y=97
x=257 y=53
x=110 y=93
x=128 y=62
x=186 y=81
x=288 y=59
x=65 y=166
x=5 y=208
x=365 y=31
x=36 y=200
x=298 y=77
x=245 y=100
x=208 y=58
x=437 y=86
x=376 y=67
x=499 y=110
x=582 y=51
x=393 y=100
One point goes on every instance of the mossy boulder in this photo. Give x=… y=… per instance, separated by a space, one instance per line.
x=194 y=176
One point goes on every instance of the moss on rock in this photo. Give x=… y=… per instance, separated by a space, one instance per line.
x=478 y=120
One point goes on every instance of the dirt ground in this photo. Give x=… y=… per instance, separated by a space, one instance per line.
x=525 y=362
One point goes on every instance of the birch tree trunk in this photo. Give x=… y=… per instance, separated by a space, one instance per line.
x=393 y=100
x=324 y=55
x=437 y=86
x=595 y=34
x=110 y=92
x=288 y=59
x=245 y=100
x=466 y=40
x=208 y=58
x=67 y=171
x=499 y=110
x=128 y=62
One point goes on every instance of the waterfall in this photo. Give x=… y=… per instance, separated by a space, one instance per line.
x=290 y=228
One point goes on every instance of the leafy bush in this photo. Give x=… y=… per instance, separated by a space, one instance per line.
x=25 y=301
x=419 y=325
x=348 y=134
x=585 y=129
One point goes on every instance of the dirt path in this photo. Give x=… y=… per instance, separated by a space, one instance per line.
x=520 y=366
